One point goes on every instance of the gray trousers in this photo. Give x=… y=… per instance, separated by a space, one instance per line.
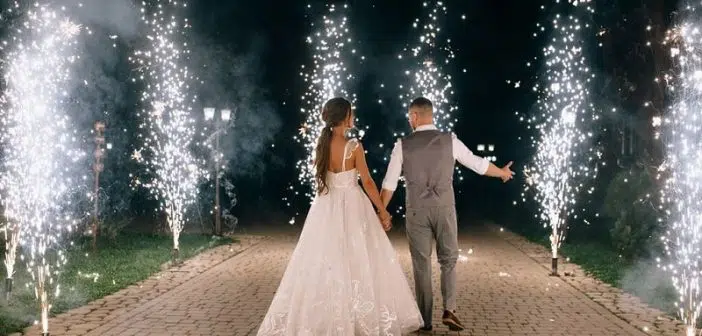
x=424 y=225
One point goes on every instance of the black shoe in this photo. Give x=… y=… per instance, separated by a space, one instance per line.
x=425 y=328
x=449 y=319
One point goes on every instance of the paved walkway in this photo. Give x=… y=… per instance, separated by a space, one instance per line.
x=504 y=290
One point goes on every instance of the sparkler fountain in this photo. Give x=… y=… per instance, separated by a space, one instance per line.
x=328 y=77
x=426 y=75
x=38 y=146
x=564 y=153
x=12 y=231
x=682 y=192
x=168 y=124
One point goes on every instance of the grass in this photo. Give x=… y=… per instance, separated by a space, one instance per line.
x=596 y=259
x=88 y=276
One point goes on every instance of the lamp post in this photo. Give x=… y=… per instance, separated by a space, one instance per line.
x=487 y=151
x=220 y=126
x=98 y=167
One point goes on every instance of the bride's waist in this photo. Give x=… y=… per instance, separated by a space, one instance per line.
x=343 y=186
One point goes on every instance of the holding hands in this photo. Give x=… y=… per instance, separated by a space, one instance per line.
x=385 y=219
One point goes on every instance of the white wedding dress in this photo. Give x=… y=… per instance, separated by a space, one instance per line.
x=343 y=277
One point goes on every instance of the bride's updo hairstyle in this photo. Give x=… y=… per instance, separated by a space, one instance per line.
x=334 y=113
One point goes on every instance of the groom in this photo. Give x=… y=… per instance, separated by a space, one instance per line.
x=426 y=159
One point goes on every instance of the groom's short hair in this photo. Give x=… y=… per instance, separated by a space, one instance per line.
x=423 y=105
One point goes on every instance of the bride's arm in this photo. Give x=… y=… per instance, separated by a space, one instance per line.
x=366 y=180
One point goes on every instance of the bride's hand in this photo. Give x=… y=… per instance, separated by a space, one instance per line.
x=388 y=224
x=385 y=219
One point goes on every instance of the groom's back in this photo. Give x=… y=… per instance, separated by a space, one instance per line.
x=427 y=165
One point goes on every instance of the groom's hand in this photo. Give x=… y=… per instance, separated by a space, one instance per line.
x=387 y=224
x=385 y=220
x=507 y=173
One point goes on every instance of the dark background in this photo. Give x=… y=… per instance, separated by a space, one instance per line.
x=248 y=55
x=492 y=44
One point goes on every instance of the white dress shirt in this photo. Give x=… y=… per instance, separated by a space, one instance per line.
x=460 y=152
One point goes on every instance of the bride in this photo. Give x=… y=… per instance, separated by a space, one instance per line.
x=343 y=277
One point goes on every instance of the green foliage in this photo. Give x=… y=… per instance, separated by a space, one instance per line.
x=597 y=260
x=594 y=258
x=118 y=263
x=629 y=205
x=113 y=229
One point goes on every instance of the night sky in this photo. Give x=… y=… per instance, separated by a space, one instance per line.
x=492 y=44
x=250 y=54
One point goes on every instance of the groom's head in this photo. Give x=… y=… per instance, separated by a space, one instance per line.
x=421 y=112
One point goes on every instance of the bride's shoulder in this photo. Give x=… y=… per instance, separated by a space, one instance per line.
x=352 y=144
x=350 y=148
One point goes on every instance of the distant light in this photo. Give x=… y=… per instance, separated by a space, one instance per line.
x=209 y=113
x=226 y=114
x=481 y=148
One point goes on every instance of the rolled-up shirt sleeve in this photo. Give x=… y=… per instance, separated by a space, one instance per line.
x=469 y=160
x=394 y=168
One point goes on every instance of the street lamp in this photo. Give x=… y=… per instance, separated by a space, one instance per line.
x=226 y=115
x=209 y=113
x=98 y=167
x=220 y=126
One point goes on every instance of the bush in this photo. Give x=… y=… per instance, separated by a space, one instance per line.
x=630 y=207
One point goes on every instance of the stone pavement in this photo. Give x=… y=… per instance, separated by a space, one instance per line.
x=503 y=290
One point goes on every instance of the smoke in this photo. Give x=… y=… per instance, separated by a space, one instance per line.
x=229 y=75
x=101 y=74
x=230 y=78
x=101 y=90
x=650 y=283
x=119 y=17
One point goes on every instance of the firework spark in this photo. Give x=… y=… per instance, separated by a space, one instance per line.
x=682 y=194
x=328 y=77
x=38 y=146
x=168 y=124
x=564 y=153
x=426 y=75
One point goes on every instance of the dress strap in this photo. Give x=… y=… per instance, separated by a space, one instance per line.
x=350 y=146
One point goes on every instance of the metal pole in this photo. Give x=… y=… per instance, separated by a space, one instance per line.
x=98 y=167
x=96 y=208
x=8 y=289
x=218 y=222
x=554 y=267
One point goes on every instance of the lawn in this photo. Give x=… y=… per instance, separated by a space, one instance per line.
x=88 y=276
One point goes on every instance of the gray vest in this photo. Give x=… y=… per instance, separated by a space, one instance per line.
x=427 y=165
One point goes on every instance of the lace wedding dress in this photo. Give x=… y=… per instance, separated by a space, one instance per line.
x=343 y=277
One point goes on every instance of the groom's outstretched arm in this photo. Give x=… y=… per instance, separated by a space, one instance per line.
x=393 y=173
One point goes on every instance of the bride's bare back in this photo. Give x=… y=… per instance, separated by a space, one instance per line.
x=336 y=156
x=354 y=159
